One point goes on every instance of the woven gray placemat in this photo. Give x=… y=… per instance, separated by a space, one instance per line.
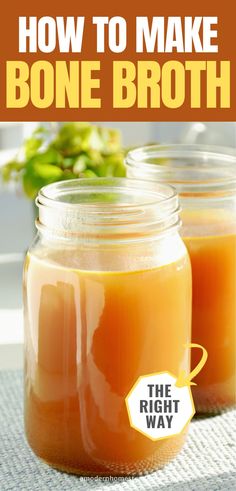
x=206 y=463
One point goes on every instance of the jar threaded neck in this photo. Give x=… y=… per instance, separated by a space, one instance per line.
x=109 y=208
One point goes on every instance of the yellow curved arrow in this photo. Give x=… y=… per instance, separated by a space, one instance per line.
x=185 y=379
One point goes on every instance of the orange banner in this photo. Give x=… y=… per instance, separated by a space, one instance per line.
x=100 y=61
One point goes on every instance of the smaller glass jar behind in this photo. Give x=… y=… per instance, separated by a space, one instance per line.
x=205 y=178
x=107 y=288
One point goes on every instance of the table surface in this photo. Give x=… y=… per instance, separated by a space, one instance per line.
x=206 y=463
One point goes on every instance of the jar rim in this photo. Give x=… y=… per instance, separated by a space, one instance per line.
x=52 y=194
x=208 y=153
x=192 y=169
x=107 y=206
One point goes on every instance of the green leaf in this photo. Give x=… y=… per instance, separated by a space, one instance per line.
x=49 y=156
x=120 y=170
x=68 y=162
x=111 y=140
x=93 y=140
x=113 y=166
x=68 y=174
x=80 y=164
x=88 y=173
x=31 y=146
x=94 y=158
x=11 y=170
x=41 y=130
x=38 y=175
x=66 y=151
x=48 y=171
x=71 y=138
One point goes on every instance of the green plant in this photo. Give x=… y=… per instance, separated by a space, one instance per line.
x=75 y=150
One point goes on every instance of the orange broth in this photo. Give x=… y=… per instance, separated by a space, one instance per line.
x=89 y=336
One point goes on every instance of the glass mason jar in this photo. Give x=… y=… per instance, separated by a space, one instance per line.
x=107 y=291
x=205 y=178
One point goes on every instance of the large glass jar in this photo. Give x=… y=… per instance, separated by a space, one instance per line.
x=205 y=178
x=107 y=289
